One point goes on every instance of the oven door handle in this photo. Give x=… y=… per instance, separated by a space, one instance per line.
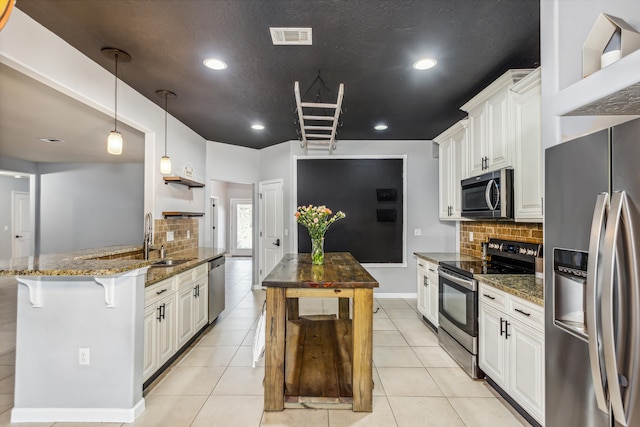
x=467 y=284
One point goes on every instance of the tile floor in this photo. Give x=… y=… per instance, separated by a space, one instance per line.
x=213 y=383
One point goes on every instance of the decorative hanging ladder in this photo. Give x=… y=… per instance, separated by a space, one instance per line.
x=318 y=129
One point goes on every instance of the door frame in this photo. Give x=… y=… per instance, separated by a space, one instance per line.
x=233 y=227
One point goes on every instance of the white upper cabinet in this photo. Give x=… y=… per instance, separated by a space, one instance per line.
x=528 y=186
x=453 y=168
x=490 y=125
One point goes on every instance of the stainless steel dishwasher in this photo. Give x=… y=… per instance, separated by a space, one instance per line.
x=216 y=287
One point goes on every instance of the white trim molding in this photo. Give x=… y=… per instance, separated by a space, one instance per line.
x=77 y=415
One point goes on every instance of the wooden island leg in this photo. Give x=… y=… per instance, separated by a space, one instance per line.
x=274 y=350
x=362 y=350
x=343 y=308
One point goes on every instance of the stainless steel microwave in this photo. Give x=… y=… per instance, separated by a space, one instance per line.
x=488 y=196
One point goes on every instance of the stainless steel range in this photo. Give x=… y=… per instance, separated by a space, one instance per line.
x=458 y=296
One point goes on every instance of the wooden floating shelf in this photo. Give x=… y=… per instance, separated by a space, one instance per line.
x=181 y=214
x=183 y=181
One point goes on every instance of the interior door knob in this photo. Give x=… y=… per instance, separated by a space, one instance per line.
x=277 y=243
x=17 y=237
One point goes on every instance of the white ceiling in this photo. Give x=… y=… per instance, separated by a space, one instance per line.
x=30 y=110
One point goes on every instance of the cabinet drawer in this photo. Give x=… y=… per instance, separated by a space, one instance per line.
x=158 y=291
x=526 y=312
x=493 y=297
x=432 y=269
x=201 y=271
x=185 y=278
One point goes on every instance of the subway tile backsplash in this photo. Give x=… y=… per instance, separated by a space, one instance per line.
x=180 y=227
x=483 y=230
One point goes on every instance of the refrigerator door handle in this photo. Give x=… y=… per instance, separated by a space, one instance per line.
x=592 y=313
x=620 y=222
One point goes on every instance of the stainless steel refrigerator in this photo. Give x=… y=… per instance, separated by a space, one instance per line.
x=592 y=293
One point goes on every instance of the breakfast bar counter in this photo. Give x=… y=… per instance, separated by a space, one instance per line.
x=317 y=359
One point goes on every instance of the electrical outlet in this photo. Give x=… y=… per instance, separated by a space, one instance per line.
x=188 y=234
x=84 y=356
x=286 y=232
x=471 y=236
x=169 y=236
x=417 y=232
x=6 y=228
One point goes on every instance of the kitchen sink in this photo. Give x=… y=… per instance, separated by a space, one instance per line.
x=169 y=262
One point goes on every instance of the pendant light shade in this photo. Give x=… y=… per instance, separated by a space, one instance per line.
x=165 y=161
x=114 y=143
x=114 y=140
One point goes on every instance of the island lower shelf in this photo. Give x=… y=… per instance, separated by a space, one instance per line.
x=318 y=361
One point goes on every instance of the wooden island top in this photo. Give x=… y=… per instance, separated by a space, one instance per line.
x=319 y=360
x=340 y=270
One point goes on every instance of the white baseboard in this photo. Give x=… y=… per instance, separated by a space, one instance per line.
x=407 y=295
x=77 y=415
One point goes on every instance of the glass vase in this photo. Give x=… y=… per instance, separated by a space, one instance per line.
x=317 y=250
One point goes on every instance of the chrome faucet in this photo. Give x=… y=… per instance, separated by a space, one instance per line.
x=148 y=234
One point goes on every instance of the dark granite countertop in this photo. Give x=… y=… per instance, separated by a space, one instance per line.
x=525 y=286
x=437 y=257
x=91 y=262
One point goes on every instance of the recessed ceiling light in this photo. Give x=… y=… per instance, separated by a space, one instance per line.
x=52 y=140
x=257 y=126
x=381 y=126
x=425 y=64
x=215 y=64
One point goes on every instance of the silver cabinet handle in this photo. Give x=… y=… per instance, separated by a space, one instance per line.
x=593 y=316
x=616 y=252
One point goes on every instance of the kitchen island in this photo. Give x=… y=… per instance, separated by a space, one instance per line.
x=338 y=353
x=80 y=333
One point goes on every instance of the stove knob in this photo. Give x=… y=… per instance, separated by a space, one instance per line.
x=522 y=251
x=531 y=252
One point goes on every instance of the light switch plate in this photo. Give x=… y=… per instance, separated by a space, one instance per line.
x=471 y=236
x=169 y=236
x=188 y=234
x=6 y=228
x=417 y=232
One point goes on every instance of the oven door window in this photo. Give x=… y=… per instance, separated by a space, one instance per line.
x=457 y=304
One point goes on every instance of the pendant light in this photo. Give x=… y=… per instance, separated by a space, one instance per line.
x=165 y=161
x=114 y=141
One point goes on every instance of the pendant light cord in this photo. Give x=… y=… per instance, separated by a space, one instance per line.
x=166 y=94
x=115 y=117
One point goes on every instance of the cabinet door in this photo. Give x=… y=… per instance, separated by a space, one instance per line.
x=526 y=373
x=492 y=344
x=421 y=288
x=498 y=133
x=476 y=132
x=458 y=154
x=167 y=330
x=445 y=159
x=201 y=305
x=184 y=317
x=528 y=187
x=150 y=364
x=432 y=277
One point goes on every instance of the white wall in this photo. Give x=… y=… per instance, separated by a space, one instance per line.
x=30 y=48
x=422 y=201
x=564 y=27
x=90 y=205
x=8 y=184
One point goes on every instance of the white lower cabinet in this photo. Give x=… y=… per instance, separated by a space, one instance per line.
x=511 y=347
x=159 y=326
x=427 y=290
x=175 y=310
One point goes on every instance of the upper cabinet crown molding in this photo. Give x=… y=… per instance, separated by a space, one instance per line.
x=502 y=83
x=462 y=124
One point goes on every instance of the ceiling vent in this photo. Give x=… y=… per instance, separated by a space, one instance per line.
x=290 y=36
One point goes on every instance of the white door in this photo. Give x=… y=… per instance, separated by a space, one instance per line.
x=21 y=224
x=241 y=227
x=271 y=251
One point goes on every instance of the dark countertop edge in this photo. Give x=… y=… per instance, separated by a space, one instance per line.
x=488 y=279
x=110 y=267
x=437 y=257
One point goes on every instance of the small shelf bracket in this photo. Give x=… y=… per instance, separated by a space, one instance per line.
x=109 y=285
x=35 y=290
